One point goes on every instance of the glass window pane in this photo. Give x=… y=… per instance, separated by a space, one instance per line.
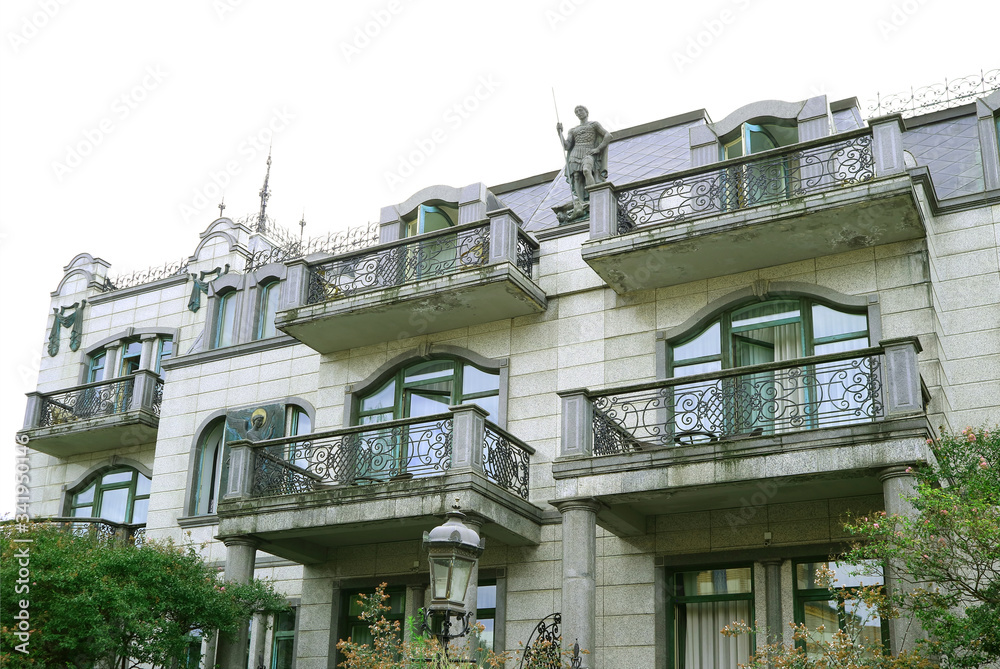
x=425 y=404
x=301 y=423
x=765 y=312
x=142 y=485
x=140 y=508
x=477 y=381
x=805 y=575
x=706 y=344
x=840 y=346
x=268 y=310
x=384 y=398
x=117 y=477
x=828 y=322
x=285 y=622
x=820 y=613
x=431 y=369
x=713 y=582
x=699 y=368
x=698 y=643
x=114 y=504
x=283 y=653
x=491 y=404
x=86 y=496
x=83 y=512
x=96 y=368
x=226 y=324
x=166 y=350
x=486 y=636
x=486 y=597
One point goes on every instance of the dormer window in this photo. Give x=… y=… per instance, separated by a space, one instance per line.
x=431 y=217
x=761 y=135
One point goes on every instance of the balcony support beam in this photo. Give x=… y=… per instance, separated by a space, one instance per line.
x=579 y=591
x=577 y=427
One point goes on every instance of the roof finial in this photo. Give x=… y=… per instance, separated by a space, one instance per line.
x=264 y=195
x=302 y=225
x=222 y=205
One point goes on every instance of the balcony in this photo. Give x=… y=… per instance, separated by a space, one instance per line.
x=464 y=275
x=303 y=495
x=818 y=198
x=101 y=529
x=702 y=441
x=94 y=416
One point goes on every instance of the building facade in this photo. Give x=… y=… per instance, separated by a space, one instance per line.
x=658 y=415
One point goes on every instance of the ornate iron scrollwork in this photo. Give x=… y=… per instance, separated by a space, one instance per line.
x=505 y=463
x=91 y=401
x=935 y=97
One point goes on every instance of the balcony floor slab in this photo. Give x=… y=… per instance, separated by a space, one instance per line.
x=94 y=434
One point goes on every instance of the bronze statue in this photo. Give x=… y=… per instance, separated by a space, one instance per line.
x=586 y=148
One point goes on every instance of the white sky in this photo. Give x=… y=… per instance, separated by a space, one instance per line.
x=162 y=95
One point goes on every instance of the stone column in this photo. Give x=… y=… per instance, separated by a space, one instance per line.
x=295 y=289
x=111 y=361
x=147 y=359
x=579 y=588
x=897 y=486
x=472 y=593
x=772 y=600
x=414 y=602
x=577 y=423
x=504 y=225
x=887 y=145
x=901 y=380
x=603 y=210
x=468 y=434
x=704 y=145
x=240 y=555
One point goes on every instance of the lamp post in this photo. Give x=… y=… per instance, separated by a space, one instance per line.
x=453 y=549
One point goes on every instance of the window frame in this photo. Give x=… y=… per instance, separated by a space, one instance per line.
x=95 y=480
x=264 y=298
x=215 y=486
x=672 y=600
x=101 y=356
x=224 y=301
x=726 y=331
x=278 y=636
x=160 y=355
x=801 y=596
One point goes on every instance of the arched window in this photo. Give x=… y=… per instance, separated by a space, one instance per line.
x=120 y=495
x=268 y=308
x=773 y=397
x=211 y=467
x=225 y=321
x=430 y=386
x=95 y=370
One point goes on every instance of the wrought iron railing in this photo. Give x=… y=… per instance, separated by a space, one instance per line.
x=525 y=253
x=505 y=461
x=290 y=247
x=427 y=256
x=926 y=99
x=764 y=178
x=382 y=452
x=393 y=450
x=157 y=396
x=144 y=276
x=773 y=398
x=104 y=398
x=101 y=529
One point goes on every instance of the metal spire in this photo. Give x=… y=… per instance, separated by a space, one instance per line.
x=302 y=225
x=264 y=195
x=222 y=205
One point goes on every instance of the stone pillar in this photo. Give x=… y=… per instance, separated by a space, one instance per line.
x=577 y=424
x=468 y=431
x=143 y=388
x=295 y=290
x=390 y=226
x=814 y=119
x=414 y=602
x=318 y=625
x=897 y=486
x=147 y=359
x=472 y=203
x=704 y=146
x=901 y=379
x=240 y=555
x=579 y=587
x=887 y=145
x=775 y=621
x=111 y=361
x=32 y=410
x=603 y=210
x=504 y=225
x=241 y=462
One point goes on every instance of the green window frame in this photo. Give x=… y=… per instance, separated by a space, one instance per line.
x=721 y=343
x=95 y=367
x=816 y=604
x=191 y=659
x=700 y=601
x=211 y=468
x=283 y=641
x=164 y=351
x=120 y=495
x=131 y=356
x=270 y=293
x=486 y=612
x=422 y=384
x=225 y=320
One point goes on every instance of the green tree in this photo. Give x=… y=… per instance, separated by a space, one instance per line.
x=949 y=551
x=107 y=602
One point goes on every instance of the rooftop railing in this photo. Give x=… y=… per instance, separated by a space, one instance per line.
x=426 y=256
x=763 y=178
x=398 y=450
x=861 y=386
x=141 y=390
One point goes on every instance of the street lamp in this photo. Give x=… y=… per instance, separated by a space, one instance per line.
x=453 y=549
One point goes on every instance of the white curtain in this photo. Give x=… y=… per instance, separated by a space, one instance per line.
x=704 y=646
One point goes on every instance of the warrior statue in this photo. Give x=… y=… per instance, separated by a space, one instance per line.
x=586 y=148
